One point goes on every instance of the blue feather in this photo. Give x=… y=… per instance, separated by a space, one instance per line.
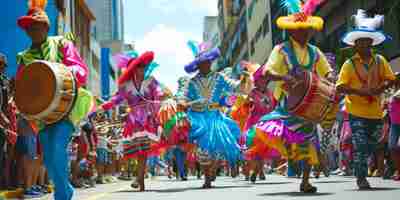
x=194 y=47
x=132 y=54
x=149 y=69
x=292 y=6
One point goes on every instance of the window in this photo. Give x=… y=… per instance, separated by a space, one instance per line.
x=252 y=48
x=251 y=8
x=258 y=34
x=266 y=24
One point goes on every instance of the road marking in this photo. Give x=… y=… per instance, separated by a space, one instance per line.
x=101 y=195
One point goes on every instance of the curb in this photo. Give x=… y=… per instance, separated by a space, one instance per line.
x=16 y=194
x=11 y=194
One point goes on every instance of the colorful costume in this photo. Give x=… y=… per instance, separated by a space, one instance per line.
x=365 y=124
x=55 y=137
x=215 y=135
x=290 y=136
x=141 y=126
x=174 y=120
x=261 y=103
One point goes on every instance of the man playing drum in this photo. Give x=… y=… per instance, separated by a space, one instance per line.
x=54 y=137
x=364 y=78
x=293 y=137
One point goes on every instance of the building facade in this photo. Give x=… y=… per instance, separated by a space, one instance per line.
x=232 y=23
x=211 y=31
x=110 y=21
x=337 y=15
x=108 y=31
x=246 y=32
x=338 y=20
x=17 y=40
x=259 y=30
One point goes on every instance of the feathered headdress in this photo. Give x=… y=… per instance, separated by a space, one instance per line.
x=36 y=13
x=37 y=4
x=131 y=60
x=202 y=52
x=122 y=59
x=300 y=15
x=366 y=27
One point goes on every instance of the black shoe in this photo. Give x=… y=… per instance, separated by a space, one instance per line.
x=246 y=178
x=308 y=188
x=363 y=184
x=184 y=179
x=262 y=177
x=213 y=178
x=253 y=178
x=135 y=185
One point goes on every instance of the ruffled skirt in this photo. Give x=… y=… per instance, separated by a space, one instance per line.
x=143 y=144
x=215 y=135
x=283 y=135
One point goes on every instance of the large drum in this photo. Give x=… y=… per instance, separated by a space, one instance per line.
x=313 y=99
x=45 y=91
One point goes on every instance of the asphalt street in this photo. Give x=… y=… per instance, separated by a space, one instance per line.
x=226 y=188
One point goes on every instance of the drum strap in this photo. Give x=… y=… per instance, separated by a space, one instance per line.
x=292 y=59
x=364 y=81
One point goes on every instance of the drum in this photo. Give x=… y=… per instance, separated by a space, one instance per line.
x=45 y=92
x=313 y=99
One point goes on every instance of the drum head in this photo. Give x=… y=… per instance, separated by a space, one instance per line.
x=35 y=88
x=296 y=94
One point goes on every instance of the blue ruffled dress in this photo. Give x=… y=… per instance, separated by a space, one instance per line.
x=215 y=134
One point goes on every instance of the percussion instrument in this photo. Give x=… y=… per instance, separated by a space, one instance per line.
x=45 y=92
x=313 y=99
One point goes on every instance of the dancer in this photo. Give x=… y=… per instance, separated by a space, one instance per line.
x=363 y=78
x=215 y=135
x=144 y=94
x=261 y=102
x=291 y=136
x=55 y=137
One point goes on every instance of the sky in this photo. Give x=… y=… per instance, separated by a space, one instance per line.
x=165 y=26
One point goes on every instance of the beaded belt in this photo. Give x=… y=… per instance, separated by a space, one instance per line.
x=202 y=108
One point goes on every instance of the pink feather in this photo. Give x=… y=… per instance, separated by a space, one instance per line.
x=121 y=60
x=310 y=6
x=204 y=46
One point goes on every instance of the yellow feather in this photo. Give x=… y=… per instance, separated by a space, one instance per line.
x=41 y=4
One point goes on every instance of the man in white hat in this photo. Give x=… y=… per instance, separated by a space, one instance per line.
x=363 y=79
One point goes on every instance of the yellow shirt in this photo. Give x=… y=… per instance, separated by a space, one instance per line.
x=277 y=64
x=361 y=106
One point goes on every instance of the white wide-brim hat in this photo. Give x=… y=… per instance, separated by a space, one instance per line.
x=377 y=36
